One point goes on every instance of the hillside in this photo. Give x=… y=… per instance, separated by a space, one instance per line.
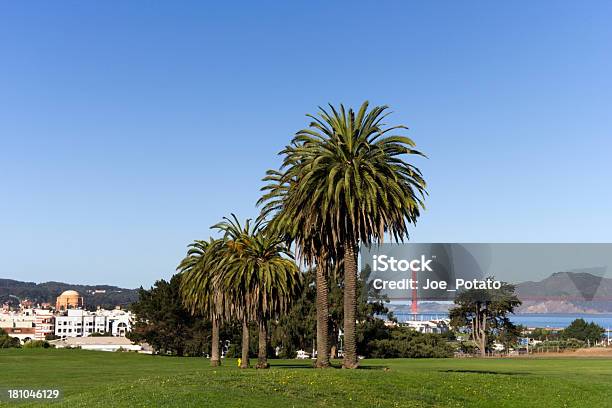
x=567 y=292
x=106 y=296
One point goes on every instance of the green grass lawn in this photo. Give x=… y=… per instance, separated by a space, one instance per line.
x=99 y=379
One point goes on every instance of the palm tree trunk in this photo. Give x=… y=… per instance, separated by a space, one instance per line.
x=214 y=352
x=245 y=344
x=262 y=354
x=483 y=341
x=322 y=317
x=350 y=307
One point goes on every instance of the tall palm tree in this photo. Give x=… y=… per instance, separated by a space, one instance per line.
x=344 y=182
x=309 y=250
x=199 y=287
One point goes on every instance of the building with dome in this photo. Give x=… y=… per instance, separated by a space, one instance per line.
x=69 y=299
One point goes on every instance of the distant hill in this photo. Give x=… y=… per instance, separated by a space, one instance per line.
x=105 y=296
x=567 y=292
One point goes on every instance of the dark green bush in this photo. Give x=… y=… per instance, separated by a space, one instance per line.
x=407 y=343
x=7 y=341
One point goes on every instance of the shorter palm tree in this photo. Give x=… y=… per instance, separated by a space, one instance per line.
x=199 y=287
x=266 y=277
x=234 y=237
x=260 y=275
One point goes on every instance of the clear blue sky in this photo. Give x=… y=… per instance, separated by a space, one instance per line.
x=128 y=128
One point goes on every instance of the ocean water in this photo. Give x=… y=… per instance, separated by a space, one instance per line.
x=560 y=320
x=542 y=320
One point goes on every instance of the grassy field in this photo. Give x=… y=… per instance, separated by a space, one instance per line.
x=98 y=379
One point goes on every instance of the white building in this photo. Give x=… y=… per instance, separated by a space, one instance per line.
x=27 y=324
x=81 y=323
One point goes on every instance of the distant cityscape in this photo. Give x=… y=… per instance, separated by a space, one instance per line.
x=67 y=323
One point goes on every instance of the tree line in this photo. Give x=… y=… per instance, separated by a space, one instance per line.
x=166 y=324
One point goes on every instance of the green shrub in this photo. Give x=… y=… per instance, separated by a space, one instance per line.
x=407 y=343
x=37 y=344
x=7 y=341
x=559 y=345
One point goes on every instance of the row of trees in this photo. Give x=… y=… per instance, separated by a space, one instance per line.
x=247 y=275
x=165 y=323
x=343 y=182
x=578 y=329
